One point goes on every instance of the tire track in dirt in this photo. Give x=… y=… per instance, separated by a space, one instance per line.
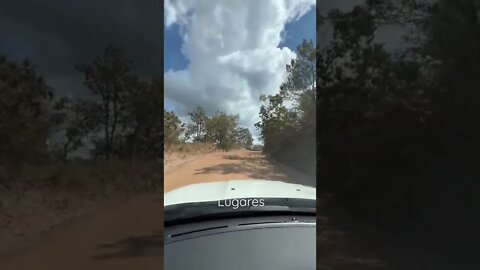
x=222 y=166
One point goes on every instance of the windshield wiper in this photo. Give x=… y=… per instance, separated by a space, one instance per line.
x=202 y=211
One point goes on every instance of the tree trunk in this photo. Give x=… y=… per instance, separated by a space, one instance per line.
x=114 y=123
x=106 y=104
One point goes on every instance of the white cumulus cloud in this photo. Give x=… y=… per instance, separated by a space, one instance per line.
x=233 y=51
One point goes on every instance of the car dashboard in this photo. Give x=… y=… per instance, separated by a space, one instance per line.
x=266 y=242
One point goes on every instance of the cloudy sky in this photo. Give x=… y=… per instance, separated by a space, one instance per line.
x=57 y=34
x=223 y=54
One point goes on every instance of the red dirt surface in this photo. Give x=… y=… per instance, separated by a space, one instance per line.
x=221 y=166
x=127 y=236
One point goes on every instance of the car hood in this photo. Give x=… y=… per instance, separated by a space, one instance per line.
x=234 y=189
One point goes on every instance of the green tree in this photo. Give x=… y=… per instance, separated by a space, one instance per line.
x=24 y=122
x=288 y=132
x=143 y=135
x=74 y=121
x=197 y=128
x=172 y=127
x=300 y=84
x=276 y=121
x=244 y=137
x=109 y=77
x=221 y=129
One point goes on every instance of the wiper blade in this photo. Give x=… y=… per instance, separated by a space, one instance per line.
x=193 y=212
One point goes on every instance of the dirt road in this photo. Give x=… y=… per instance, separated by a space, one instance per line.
x=220 y=166
x=126 y=236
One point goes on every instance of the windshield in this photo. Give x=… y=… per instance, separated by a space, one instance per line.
x=239 y=116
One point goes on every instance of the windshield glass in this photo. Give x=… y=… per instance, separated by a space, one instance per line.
x=239 y=104
x=239 y=113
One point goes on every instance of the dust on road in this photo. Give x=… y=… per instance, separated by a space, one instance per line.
x=127 y=236
x=221 y=166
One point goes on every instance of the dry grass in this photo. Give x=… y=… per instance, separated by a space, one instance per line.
x=177 y=154
x=190 y=148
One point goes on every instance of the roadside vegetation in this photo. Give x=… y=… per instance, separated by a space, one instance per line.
x=220 y=131
x=287 y=119
x=398 y=130
x=59 y=152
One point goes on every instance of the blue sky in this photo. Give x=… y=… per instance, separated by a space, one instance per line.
x=304 y=28
x=173 y=57
x=237 y=51
x=294 y=33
